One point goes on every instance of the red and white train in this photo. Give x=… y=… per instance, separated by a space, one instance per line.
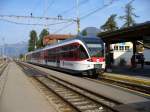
x=76 y=55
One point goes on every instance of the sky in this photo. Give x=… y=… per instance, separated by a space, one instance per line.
x=14 y=33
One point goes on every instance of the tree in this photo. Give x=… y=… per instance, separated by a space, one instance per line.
x=84 y=33
x=43 y=33
x=32 y=41
x=21 y=56
x=128 y=17
x=110 y=24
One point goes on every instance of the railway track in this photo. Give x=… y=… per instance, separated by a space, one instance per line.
x=3 y=77
x=80 y=99
x=2 y=68
x=136 y=88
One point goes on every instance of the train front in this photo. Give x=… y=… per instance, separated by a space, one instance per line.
x=95 y=47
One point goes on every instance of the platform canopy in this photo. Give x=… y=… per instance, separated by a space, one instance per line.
x=136 y=32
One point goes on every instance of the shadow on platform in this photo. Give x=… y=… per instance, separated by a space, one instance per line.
x=125 y=70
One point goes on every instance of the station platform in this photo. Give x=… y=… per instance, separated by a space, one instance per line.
x=135 y=107
x=19 y=95
x=136 y=75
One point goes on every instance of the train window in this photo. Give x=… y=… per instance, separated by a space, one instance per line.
x=75 y=47
x=82 y=53
x=45 y=54
x=70 y=55
x=63 y=48
x=64 y=55
x=70 y=47
x=75 y=54
x=96 y=50
x=51 y=52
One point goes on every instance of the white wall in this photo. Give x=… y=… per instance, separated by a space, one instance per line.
x=123 y=54
x=127 y=54
x=147 y=54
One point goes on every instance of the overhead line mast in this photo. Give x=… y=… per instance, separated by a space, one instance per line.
x=78 y=18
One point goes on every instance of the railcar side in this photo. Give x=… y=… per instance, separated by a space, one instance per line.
x=74 y=56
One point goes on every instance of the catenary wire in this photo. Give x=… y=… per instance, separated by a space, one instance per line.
x=64 y=27
x=19 y=23
x=52 y=2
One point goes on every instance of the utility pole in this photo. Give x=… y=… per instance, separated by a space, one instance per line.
x=45 y=13
x=35 y=42
x=78 y=18
x=3 y=47
x=78 y=25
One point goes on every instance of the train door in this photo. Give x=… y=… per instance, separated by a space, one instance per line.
x=58 y=63
x=58 y=57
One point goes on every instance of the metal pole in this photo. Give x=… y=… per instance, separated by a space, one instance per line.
x=78 y=18
x=3 y=48
x=45 y=13
x=35 y=44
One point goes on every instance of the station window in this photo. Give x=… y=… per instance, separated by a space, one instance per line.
x=121 y=48
x=127 y=48
x=116 y=48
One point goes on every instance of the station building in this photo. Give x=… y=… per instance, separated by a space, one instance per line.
x=54 y=38
x=125 y=51
x=127 y=42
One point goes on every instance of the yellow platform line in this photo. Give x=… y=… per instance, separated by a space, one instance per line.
x=131 y=79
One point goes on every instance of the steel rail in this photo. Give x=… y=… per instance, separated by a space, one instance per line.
x=2 y=68
x=135 y=87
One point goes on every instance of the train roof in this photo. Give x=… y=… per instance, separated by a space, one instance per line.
x=86 y=39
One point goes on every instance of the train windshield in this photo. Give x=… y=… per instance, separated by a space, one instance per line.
x=96 y=50
x=95 y=46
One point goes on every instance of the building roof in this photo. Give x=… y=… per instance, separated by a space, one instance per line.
x=133 y=33
x=59 y=36
x=91 y=31
x=49 y=39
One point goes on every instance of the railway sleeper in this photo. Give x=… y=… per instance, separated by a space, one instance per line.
x=71 y=97
x=88 y=107
x=76 y=100
x=82 y=103
x=60 y=91
x=95 y=110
